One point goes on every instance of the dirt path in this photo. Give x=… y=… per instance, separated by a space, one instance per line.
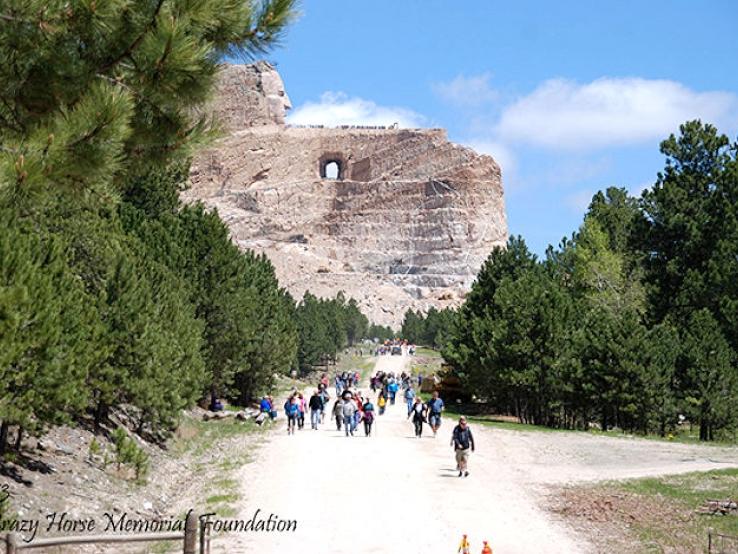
x=387 y=493
x=394 y=493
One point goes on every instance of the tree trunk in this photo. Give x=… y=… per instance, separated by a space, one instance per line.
x=19 y=439
x=703 y=430
x=100 y=413
x=3 y=436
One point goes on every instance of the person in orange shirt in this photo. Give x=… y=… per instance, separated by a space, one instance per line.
x=464 y=545
x=486 y=549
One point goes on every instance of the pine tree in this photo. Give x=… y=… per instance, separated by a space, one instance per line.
x=47 y=332
x=315 y=343
x=711 y=377
x=92 y=91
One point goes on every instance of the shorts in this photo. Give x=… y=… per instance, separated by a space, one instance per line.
x=434 y=420
x=462 y=456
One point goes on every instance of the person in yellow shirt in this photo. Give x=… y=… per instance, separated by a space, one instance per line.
x=381 y=402
x=464 y=545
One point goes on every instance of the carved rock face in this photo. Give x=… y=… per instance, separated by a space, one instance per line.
x=250 y=96
x=406 y=220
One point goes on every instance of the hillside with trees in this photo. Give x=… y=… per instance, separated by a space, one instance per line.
x=111 y=291
x=630 y=323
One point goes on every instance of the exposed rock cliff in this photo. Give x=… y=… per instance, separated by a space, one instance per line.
x=407 y=222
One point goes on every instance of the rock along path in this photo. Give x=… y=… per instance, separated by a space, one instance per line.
x=394 y=493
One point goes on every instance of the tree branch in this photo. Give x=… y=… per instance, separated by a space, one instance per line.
x=135 y=44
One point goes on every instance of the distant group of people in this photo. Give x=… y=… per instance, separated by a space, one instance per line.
x=395 y=346
x=344 y=381
x=296 y=407
x=352 y=409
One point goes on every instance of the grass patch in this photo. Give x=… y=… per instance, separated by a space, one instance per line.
x=225 y=511
x=197 y=436
x=237 y=462
x=222 y=498
x=658 y=514
x=426 y=352
x=163 y=547
x=497 y=422
x=510 y=423
x=226 y=483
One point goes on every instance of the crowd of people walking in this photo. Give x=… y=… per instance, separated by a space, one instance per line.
x=352 y=408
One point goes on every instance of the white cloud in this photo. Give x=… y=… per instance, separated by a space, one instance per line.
x=337 y=108
x=562 y=114
x=467 y=91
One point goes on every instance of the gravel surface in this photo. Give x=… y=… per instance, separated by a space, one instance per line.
x=391 y=493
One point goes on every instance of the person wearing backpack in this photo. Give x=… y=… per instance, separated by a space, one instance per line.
x=348 y=409
x=368 y=417
x=435 y=407
x=418 y=413
x=325 y=397
x=291 y=410
x=463 y=441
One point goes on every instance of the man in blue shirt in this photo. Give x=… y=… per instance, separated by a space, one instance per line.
x=410 y=399
x=435 y=407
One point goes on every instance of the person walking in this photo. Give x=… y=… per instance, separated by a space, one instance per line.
x=368 y=417
x=418 y=413
x=359 y=415
x=464 y=546
x=381 y=402
x=486 y=548
x=291 y=410
x=338 y=413
x=316 y=407
x=325 y=397
x=302 y=407
x=463 y=441
x=409 y=398
x=393 y=387
x=435 y=407
x=348 y=409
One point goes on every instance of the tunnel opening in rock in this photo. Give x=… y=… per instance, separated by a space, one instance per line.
x=332 y=165
x=332 y=170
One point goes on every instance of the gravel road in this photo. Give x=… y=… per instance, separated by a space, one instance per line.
x=394 y=493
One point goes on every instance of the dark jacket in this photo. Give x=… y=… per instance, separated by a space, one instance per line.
x=463 y=438
x=316 y=402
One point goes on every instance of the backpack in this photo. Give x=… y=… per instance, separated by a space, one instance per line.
x=291 y=409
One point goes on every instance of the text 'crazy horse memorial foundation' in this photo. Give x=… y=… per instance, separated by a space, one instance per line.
x=395 y=218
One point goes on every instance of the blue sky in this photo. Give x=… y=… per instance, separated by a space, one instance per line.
x=569 y=97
